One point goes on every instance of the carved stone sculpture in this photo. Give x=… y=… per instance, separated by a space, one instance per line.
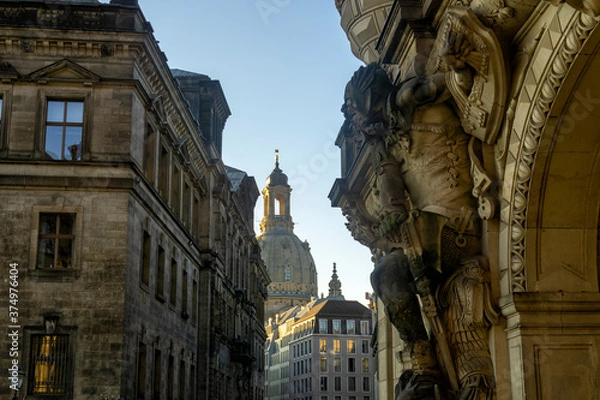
x=421 y=217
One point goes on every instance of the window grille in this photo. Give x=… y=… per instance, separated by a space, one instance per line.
x=50 y=365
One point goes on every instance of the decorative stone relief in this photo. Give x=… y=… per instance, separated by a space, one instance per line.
x=576 y=32
x=590 y=7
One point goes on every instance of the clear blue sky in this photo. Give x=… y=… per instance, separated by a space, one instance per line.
x=283 y=65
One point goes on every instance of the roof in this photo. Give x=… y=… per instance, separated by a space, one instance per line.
x=179 y=73
x=236 y=176
x=335 y=308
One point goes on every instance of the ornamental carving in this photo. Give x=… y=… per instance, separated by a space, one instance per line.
x=576 y=33
x=422 y=208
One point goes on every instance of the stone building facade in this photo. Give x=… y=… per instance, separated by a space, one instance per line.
x=321 y=350
x=129 y=244
x=521 y=79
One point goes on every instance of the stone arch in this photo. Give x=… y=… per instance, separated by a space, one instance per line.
x=535 y=190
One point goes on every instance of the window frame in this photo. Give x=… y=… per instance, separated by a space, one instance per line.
x=84 y=96
x=60 y=330
x=5 y=100
x=60 y=274
x=323 y=328
x=364 y=323
x=336 y=326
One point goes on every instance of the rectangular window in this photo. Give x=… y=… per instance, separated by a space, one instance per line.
x=322 y=326
x=350 y=327
x=323 y=345
x=365 y=364
x=323 y=364
x=184 y=295
x=149 y=154
x=156 y=376
x=50 y=365
x=145 y=267
x=351 y=347
x=187 y=193
x=56 y=240
x=337 y=364
x=352 y=384
x=141 y=372
x=337 y=346
x=196 y=217
x=323 y=384
x=192 y=379
x=170 y=373
x=64 y=130
x=364 y=328
x=182 y=379
x=366 y=384
x=351 y=364
x=337 y=383
x=176 y=191
x=163 y=172
x=194 y=302
x=365 y=346
x=337 y=326
x=160 y=273
x=173 y=287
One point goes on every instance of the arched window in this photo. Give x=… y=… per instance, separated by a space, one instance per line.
x=288 y=273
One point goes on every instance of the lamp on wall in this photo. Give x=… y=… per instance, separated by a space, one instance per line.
x=19 y=384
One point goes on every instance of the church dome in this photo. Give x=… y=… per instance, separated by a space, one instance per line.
x=289 y=263
x=287 y=258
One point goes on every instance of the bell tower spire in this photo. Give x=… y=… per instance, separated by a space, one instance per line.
x=276 y=194
x=335 y=286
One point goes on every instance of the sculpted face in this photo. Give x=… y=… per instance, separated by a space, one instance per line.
x=365 y=98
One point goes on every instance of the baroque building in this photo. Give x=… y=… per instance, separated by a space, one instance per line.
x=288 y=260
x=321 y=350
x=470 y=169
x=134 y=267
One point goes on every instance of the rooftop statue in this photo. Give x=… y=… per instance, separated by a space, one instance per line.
x=426 y=205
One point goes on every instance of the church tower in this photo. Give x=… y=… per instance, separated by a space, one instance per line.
x=335 y=286
x=288 y=260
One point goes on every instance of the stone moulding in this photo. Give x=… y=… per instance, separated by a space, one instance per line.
x=524 y=154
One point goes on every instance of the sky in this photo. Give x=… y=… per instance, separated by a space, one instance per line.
x=283 y=66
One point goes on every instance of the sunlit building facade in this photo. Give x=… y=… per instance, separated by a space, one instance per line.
x=321 y=351
x=129 y=242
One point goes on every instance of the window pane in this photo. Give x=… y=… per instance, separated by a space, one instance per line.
x=74 y=111
x=47 y=224
x=337 y=364
x=350 y=327
x=46 y=253
x=53 y=144
x=337 y=326
x=65 y=253
x=351 y=348
x=67 y=223
x=72 y=149
x=56 y=111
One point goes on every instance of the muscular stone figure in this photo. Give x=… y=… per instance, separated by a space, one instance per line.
x=423 y=196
